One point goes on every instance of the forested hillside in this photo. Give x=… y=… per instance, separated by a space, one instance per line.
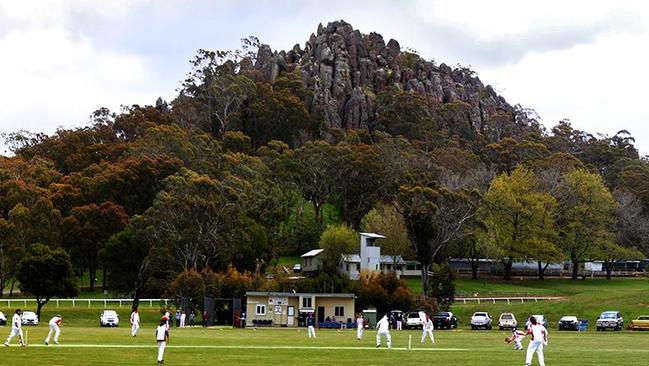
x=261 y=151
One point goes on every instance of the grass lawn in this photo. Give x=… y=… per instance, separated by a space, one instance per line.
x=85 y=345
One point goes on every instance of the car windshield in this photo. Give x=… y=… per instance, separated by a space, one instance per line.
x=413 y=315
x=480 y=314
x=569 y=318
x=443 y=314
x=506 y=316
x=608 y=316
x=643 y=318
x=110 y=313
x=28 y=313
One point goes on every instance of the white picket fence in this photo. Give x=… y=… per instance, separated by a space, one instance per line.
x=86 y=302
x=508 y=300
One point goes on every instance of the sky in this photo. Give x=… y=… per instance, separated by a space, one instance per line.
x=579 y=60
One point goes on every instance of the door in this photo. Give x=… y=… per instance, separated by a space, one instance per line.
x=321 y=317
x=290 y=313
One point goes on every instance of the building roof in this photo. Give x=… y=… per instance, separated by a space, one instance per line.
x=373 y=235
x=298 y=294
x=312 y=253
x=385 y=259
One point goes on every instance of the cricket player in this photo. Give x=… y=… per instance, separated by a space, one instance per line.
x=517 y=337
x=427 y=329
x=309 y=324
x=135 y=322
x=539 y=339
x=360 y=324
x=16 y=329
x=55 y=328
x=383 y=327
x=162 y=337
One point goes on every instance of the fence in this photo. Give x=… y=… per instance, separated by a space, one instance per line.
x=508 y=300
x=87 y=302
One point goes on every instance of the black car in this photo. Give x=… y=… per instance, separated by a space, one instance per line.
x=444 y=319
x=569 y=323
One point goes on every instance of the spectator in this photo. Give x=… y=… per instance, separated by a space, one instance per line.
x=205 y=318
x=192 y=318
x=182 y=319
x=177 y=318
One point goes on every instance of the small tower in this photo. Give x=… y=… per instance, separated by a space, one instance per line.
x=370 y=253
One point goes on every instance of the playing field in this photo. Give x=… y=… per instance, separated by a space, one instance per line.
x=95 y=346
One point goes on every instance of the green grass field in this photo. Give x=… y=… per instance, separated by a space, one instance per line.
x=83 y=342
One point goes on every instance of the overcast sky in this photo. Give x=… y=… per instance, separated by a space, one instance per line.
x=581 y=60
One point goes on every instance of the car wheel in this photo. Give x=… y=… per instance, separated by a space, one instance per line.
x=472 y=327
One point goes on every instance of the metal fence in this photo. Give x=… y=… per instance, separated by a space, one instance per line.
x=87 y=302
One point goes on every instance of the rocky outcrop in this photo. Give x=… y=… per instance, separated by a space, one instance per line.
x=346 y=69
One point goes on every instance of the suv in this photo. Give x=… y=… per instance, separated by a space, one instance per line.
x=569 y=323
x=29 y=318
x=610 y=320
x=109 y=318
x=414 y=319
x=3 y=319
x=480 y=320
x=297 y=268
x=507 y=321
x=444 y=319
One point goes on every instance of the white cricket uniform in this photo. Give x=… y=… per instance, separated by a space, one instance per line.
x=55 y=328
x=160 y=336
x=135 y=323
x=16 y=330
x=539 y=337
x=183 y=317
x=518 y=339
x=427 y=329
x=383 y=327
x=359 y=328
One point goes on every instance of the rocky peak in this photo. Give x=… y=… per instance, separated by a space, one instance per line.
x=346 y=69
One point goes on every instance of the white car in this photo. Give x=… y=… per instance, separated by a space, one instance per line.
x=415 y=319
x=29 y=318
x=3 y=319
x=610 y=320
x=481 y=319
x=507 y=321
x=540 y=319
x=109 y=318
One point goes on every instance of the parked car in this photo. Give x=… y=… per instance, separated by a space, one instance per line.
x=444 y=319
x=507 y=321
x=480 y=320
x=540 y=319
x=29 y=318
x=569 y=323
x=610 y=320
x=642 y=323
x=109 y=318
x=3 y=319
x=415 y=319
x=297 y=268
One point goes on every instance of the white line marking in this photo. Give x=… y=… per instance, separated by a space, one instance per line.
x=246 y=347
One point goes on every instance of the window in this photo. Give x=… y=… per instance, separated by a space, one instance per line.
x=307 y=302
x=260 y=310
x=339 y=311
x=358 y=267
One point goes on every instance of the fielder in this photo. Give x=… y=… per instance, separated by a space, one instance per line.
x=309 y=324
x=516 y=337
x=162 y=337
x=360 y=324
x=539 y=339
x=383 y=327
x=135 y=322
x=55 y=328
x=427 y=329
x=16 y=329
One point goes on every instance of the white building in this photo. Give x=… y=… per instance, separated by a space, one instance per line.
x=311 y=261
x=350 y=265
x=370 y=256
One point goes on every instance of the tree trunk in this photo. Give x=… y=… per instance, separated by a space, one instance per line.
x=609 y=269
x=11 y=289
x=474 y=269
x=40 y=306
x=92 y=274
x=104 y=283
x=575 y=270
x=424 y=279
x=542 y=270
x=508 y=269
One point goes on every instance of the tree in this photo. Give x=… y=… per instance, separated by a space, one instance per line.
x=337 y=240
x=386 y=220
x=586 y=218
x=518 y=218
x=46 y=273
x=611 y=252
x=434 y=219
x=88 y=229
